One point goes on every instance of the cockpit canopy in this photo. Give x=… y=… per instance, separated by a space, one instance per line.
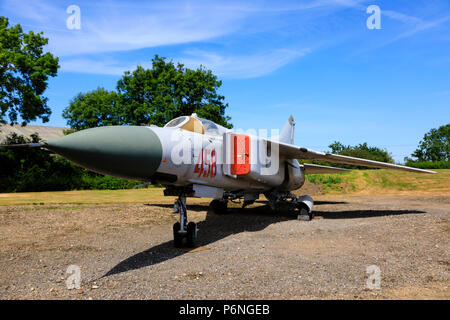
x=196 y=124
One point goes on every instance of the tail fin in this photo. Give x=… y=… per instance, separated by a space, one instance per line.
x=287 y=134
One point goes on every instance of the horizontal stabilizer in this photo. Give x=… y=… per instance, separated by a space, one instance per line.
x=317 y=169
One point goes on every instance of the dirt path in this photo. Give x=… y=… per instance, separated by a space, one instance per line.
x=125 y=251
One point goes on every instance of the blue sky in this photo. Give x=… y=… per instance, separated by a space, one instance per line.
x=314 y=59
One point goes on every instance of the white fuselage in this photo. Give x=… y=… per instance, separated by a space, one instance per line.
x=201 y=159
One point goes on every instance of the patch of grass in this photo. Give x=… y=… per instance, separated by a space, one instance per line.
x=386 y=183
x=327 y=181
x=82 y=197
x=383 y=181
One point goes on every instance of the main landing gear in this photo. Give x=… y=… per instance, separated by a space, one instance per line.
x=184 y=233
x=304 y=213
x=219 y=206
x=302 y=205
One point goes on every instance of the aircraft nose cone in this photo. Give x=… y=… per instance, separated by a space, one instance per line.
x=129 y=152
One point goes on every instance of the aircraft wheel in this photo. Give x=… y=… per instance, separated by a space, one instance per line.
x=191 y=236
x=219 y=206
x=304 y=214
x=177 y=237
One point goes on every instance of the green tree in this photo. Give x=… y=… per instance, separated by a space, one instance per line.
x=166 y=91
x=94 y=109
x=435 y=145
x=33 y=169
x=337 y=147
x=24 y=71
x=151 y=96
x=361 y=150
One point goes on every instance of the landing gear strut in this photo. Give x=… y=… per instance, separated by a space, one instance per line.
x=182 y=230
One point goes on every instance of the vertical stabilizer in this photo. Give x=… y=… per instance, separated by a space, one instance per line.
x=287 y=134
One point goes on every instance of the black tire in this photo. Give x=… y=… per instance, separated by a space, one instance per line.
x=304 y=214
x=191 y=236
x=219 y=206
x=177 y=237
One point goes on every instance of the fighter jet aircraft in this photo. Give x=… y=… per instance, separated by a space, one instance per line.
x=195 y=157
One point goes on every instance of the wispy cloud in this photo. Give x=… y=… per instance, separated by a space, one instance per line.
x=419 y=26
x=95 y=66
x=423 y=26
x=243 y=66
x=112 y=26
x=225 y=66
x=401 y=16
x=109 y=27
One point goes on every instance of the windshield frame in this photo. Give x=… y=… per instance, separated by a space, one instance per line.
x=178 y=124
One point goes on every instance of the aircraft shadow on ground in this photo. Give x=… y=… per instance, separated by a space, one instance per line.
x=318 y=202
x=216 y=227
x=357 y=214
x=190 y=207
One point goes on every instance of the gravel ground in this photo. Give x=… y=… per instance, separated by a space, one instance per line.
x=126 y=252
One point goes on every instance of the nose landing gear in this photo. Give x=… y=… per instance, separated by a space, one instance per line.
x=184 y=233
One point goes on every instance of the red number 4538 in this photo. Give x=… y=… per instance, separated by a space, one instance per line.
x=206 y=164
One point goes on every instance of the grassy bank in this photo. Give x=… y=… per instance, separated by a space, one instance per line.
x=357 y=182
x=384 y=182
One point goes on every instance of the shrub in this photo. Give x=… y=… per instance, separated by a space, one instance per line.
x=34 y=169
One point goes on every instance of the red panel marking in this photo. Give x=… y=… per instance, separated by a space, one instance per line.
x=241 y=155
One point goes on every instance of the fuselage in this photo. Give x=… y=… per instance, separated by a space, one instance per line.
x=212 y=160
